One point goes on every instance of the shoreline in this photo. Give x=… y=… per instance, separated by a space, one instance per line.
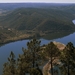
x=24 y=37
x=14 y=40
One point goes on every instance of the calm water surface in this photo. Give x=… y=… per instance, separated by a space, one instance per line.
x=73 y=21
x=16 y=47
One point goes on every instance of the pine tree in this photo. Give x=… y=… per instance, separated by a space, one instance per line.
x=52 y=52
x=24 y=62
x=68 y=59
x=34 y=48
x=10 y=66
x=28 y=62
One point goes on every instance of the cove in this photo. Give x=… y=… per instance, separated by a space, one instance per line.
x=73 y=21
x=16 y=47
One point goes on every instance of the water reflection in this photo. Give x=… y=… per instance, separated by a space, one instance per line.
x=16 y=47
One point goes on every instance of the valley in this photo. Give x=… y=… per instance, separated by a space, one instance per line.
x=45 y=24
x=25 y=22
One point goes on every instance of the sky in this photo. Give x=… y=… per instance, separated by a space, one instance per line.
x=37 y=1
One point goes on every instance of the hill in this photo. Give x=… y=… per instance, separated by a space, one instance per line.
x=40 y=19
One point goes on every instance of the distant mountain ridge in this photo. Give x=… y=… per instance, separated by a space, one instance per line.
x=39 y=19
x=10 y=6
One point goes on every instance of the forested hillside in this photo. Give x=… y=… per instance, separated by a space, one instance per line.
x=40 y=20
x=35 y=18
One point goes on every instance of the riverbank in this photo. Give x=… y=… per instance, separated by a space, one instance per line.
x=25 y=36
x=17 y=38
x=20 y=36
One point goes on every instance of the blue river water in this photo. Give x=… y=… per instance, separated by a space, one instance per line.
x=16 y=47
x=73 y=21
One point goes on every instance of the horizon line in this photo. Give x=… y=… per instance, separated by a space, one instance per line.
x=42 y=2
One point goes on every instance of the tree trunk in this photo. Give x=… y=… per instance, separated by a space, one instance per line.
x=33 y=59
x=68 y=70
x=51 y=67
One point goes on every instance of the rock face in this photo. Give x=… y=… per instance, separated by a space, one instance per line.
x=47 y=68
x=59 y=45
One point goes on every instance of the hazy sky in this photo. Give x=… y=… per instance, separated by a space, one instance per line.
x=46 y=1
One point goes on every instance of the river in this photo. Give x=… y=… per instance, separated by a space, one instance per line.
x=73 y=21
x=16 y=47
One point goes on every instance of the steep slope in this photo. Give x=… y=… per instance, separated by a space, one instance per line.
x=39 y=19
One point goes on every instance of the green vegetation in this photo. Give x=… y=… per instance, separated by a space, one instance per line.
x=22 y=23
x=52 y=52
x=10 y=66
x=68 y=58
x=35 y=18
x=28 y=62
x=56 y=35
x=35 y=55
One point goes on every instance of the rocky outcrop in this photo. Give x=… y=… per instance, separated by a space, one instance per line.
x=47 y=67
x=60 y=46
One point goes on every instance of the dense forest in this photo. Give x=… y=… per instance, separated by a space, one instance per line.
x=35 y=55
x=21 y=21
